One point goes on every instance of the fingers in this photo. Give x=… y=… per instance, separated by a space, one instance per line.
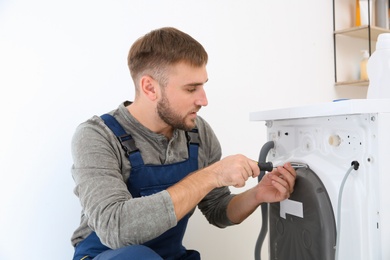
x=251 y=168
x=248 y=169
x=290 y=174
x=235 y=170
x=283 y=178
x=254 y=168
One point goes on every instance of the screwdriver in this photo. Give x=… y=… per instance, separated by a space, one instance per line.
x=268 y=166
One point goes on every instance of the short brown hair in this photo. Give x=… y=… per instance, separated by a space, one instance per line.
x=154 y=52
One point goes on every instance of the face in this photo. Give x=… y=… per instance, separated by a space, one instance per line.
x=183 y=96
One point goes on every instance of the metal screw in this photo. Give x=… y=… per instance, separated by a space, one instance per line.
x=268 y=124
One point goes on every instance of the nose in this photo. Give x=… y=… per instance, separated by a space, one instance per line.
x=201 y=99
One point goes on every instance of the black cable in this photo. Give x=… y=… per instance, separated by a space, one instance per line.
x=264 y=207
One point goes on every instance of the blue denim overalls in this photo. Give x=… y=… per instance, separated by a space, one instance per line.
x=145 y=180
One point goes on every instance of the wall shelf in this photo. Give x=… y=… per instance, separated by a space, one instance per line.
x=368 y=33
x=359 y=83
x=362 y=32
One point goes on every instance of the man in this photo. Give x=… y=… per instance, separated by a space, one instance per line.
x=141 y=169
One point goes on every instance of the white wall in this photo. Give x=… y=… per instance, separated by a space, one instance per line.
x=64 y=61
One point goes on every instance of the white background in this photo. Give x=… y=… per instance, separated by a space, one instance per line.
x=63 y=61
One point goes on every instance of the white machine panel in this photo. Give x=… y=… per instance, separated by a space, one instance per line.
x=328 y=142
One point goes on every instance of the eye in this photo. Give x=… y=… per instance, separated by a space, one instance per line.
x=191 y=90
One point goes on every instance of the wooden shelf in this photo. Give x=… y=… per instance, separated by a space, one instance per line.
x=365 y=35
x=361 y=83
x=362 y=32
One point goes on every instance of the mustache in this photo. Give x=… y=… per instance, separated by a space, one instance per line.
x=196 y=110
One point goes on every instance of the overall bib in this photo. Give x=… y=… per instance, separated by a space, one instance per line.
x=146 y=180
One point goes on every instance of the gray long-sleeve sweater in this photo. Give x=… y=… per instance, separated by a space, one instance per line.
x=101 y=169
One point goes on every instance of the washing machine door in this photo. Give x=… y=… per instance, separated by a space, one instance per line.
x=312 y=237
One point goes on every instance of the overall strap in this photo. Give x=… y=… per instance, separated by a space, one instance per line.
x=193 y=141
x=126 y=140
x=128 y=143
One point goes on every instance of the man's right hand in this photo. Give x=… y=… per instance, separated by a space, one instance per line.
x=234 y=170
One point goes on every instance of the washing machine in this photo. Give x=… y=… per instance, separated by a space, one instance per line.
x=339 y=208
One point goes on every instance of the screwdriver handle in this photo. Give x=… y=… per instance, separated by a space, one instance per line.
x=266 y=166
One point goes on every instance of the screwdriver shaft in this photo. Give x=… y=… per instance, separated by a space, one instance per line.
x=268 y=166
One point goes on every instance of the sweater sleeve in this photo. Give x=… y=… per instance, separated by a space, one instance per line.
x=108 y=207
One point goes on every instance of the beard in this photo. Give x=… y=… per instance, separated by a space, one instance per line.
x=170 y=117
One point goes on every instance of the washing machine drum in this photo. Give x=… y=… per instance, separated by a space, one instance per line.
x=312 y=237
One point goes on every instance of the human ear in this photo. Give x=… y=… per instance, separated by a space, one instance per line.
x=148 y=87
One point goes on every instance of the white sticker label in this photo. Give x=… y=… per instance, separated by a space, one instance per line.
x=291 y=207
